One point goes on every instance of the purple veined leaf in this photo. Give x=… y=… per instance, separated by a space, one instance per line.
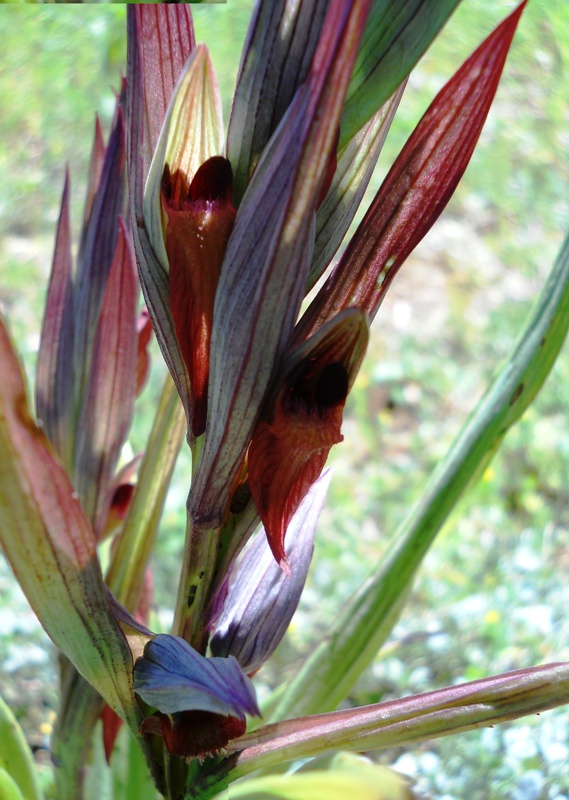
x=172 y=677
x=109 y=400
x=302 y=421
x=336 y=777
x=160 y=40
x=97 y=256
x=265 y=267
x=277 y=54
x=356 y=163
x=54 y=382
x=94 y=176
x=418 y=186
x=51 y=547
x=262 y=598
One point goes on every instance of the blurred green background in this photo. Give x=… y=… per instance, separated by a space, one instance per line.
x=493 y=592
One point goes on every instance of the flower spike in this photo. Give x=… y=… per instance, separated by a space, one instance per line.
x=160 y=41
x=264 y=272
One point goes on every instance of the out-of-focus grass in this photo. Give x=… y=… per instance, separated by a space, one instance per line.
x=492 y=594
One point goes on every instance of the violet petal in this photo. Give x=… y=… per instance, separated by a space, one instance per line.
x=171 y=676
x=262 y=599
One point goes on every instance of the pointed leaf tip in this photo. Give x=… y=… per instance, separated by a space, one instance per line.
x=55 y=396
x=191 y=134
x=418 y=186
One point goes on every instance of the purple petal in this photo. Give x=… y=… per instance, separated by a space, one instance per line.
x=54 y=383
x=171 y=676
x=262 y=598
x=280 y=44
x=109 y=399
x=99 y=241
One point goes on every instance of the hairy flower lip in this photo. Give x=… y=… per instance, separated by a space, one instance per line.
x=194 y=734
x=302 y=420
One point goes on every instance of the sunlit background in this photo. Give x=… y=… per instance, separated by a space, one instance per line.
x=493 y=593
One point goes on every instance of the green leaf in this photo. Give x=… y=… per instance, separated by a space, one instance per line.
x=16 y=759
x=353 y=641
x=9 y=789
x=348 y=776
x=396 y=36
x=51 y=547
x=72 y=737
x=130 y=774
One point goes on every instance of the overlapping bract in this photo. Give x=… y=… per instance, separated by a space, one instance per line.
x=92 y=360
x=281 y=239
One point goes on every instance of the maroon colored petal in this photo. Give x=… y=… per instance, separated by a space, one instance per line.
x=111 y=727
x=418 y=186
x=194 y=734
x=55 y=397
x=291 y=443
x=199 y=221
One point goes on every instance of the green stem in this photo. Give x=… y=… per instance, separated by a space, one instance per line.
x=126 y=570
x=395 y=723
x=198 y=571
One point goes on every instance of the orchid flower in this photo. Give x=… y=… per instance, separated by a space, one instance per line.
x=228 y=236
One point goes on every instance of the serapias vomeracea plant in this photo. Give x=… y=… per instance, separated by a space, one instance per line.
x=230 y=231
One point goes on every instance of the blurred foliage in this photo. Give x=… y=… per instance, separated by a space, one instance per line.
x=492 y=594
